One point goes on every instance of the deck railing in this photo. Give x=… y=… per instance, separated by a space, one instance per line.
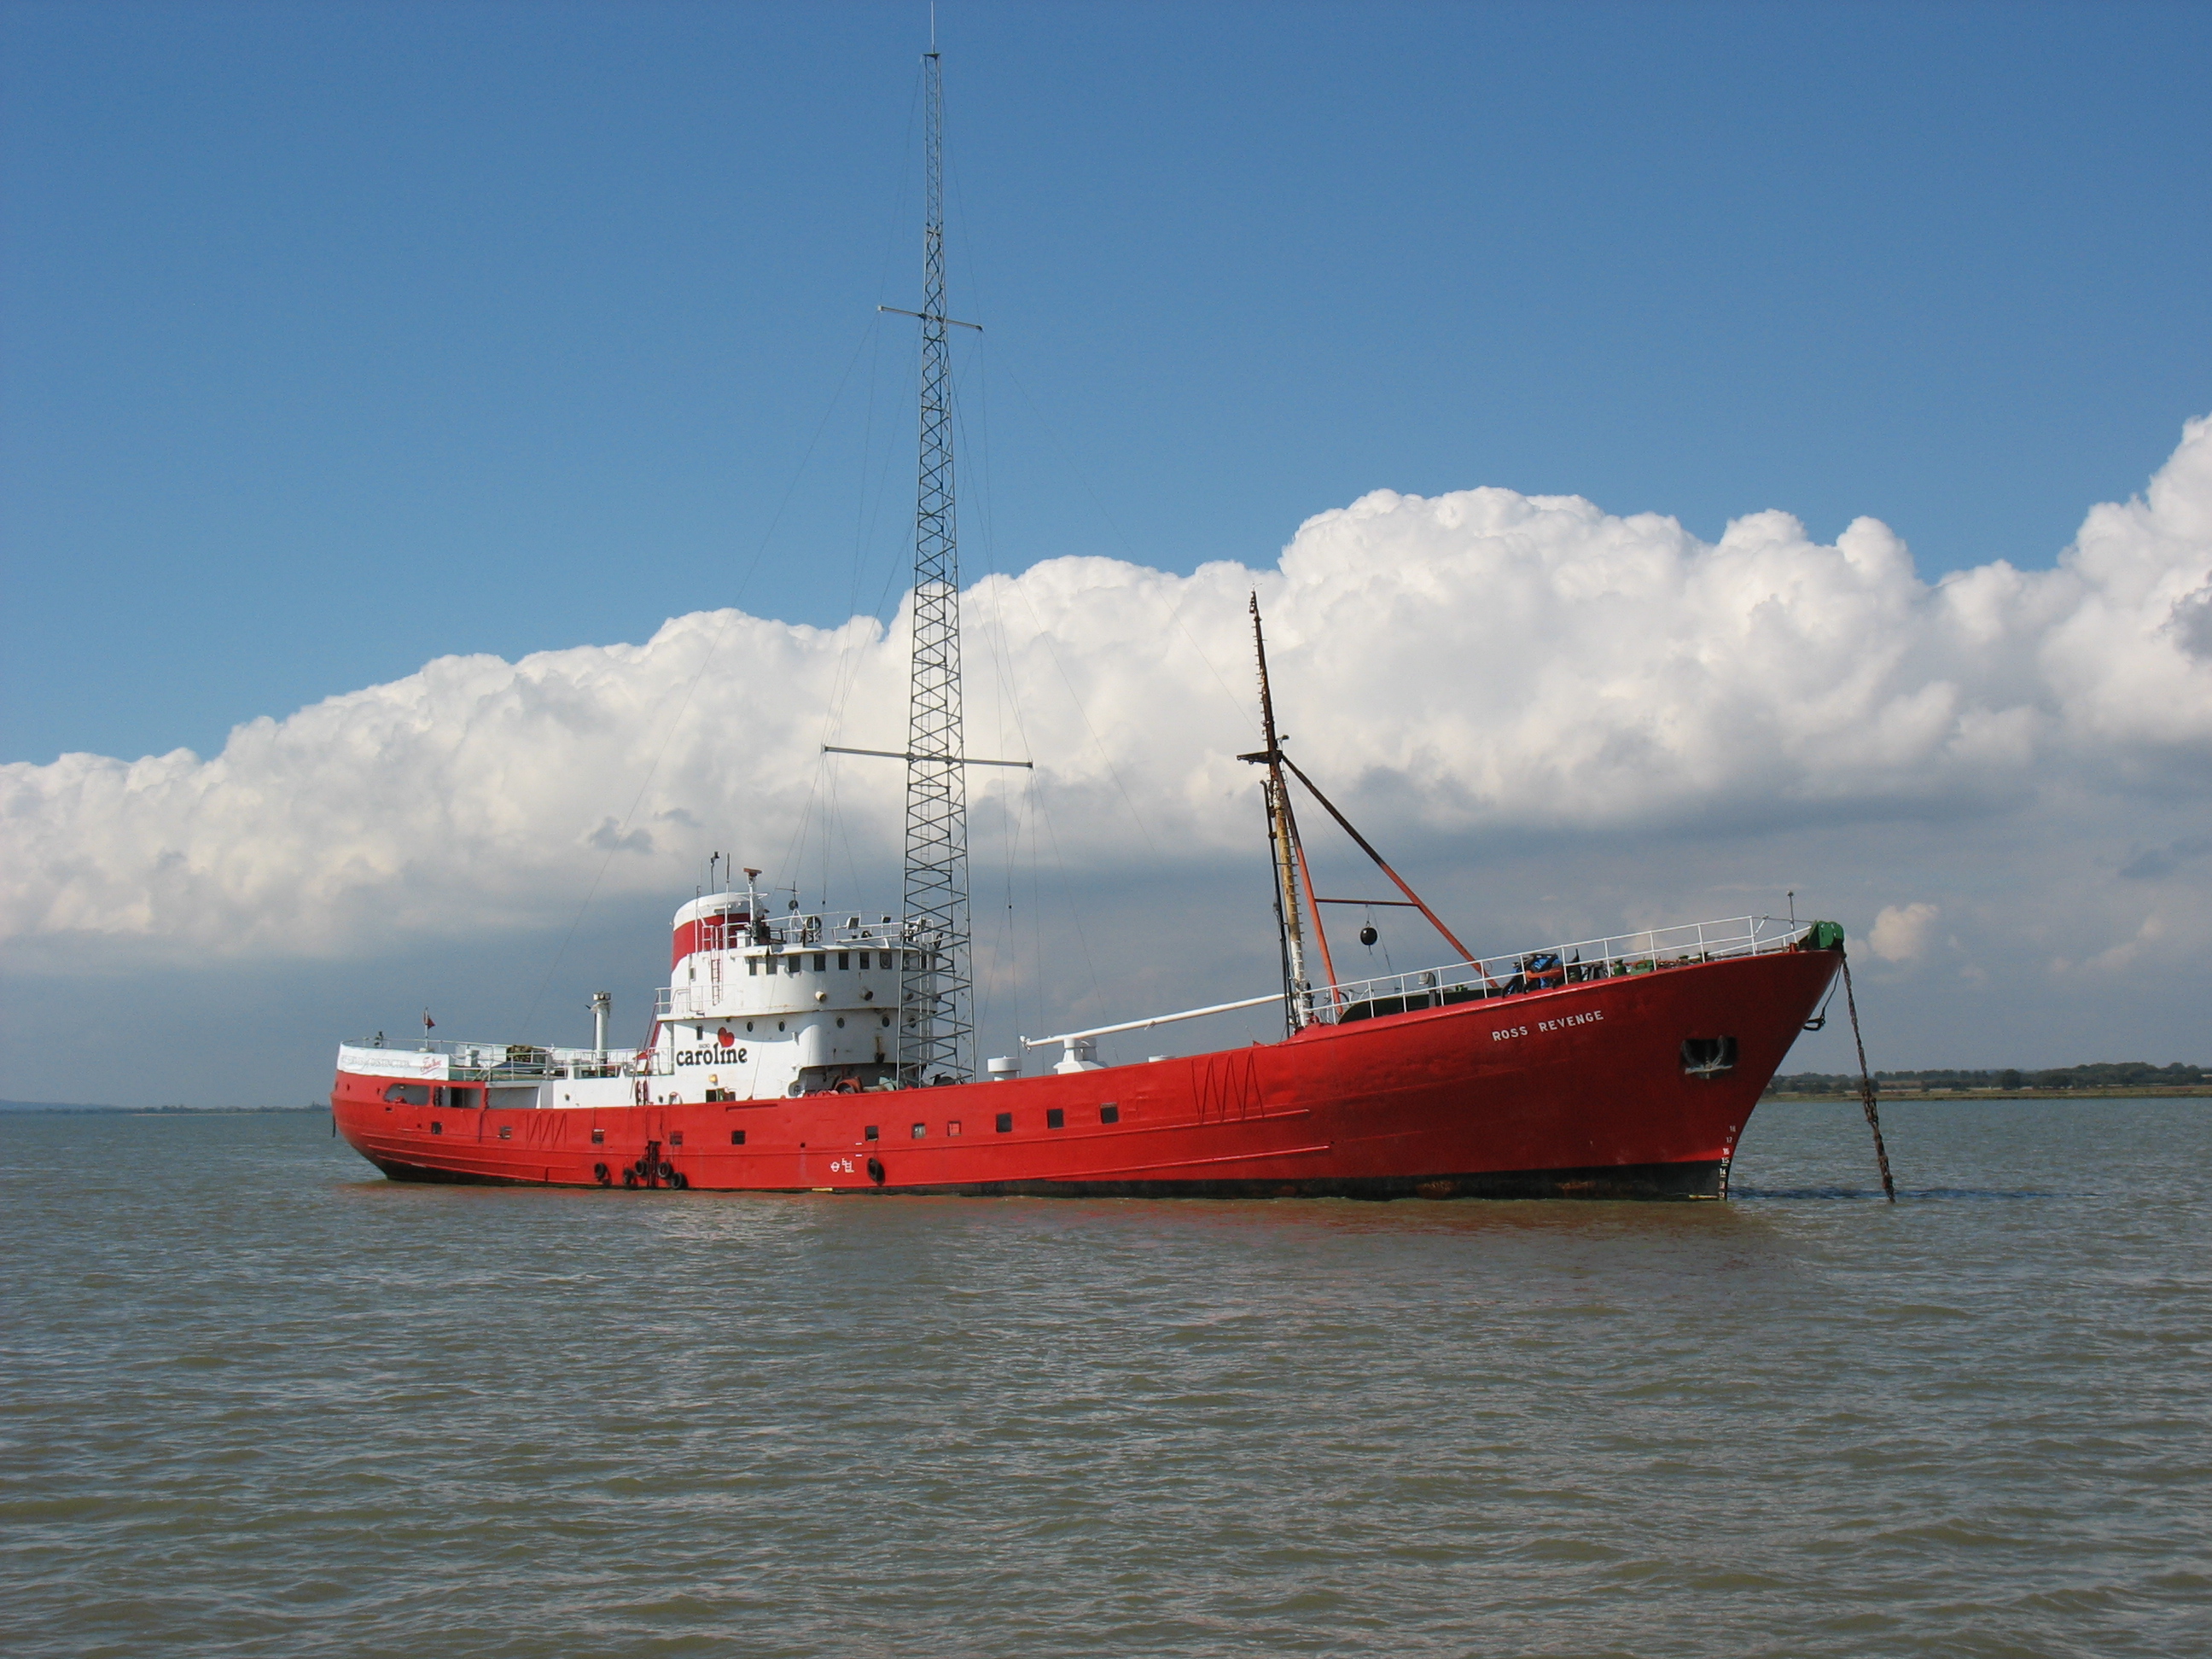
x=1653 y=951
x=496 y=1062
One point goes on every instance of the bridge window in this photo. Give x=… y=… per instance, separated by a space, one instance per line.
x=844 y=961
x=821 y=962
x=752 y=966
x=791 y=964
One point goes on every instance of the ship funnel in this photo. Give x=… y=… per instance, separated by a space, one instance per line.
x=603 y=1004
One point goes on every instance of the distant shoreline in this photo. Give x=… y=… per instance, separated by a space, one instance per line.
x=34 y=1109
x=2024 y=1096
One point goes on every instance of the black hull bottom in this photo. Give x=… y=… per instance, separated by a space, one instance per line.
x=1707 y=1179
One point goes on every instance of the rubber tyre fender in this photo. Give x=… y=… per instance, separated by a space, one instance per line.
x=876 y=1170
x=677 y=1179
x=629 y=1179
x=599 y=1173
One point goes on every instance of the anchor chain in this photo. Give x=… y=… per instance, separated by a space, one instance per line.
x=1866 y=1087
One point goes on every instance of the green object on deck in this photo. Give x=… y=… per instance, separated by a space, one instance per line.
x=1827 y=936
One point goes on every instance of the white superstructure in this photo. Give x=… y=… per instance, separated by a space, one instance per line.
x=757 y=1006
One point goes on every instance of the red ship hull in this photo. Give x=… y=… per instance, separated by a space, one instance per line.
x=1575 y=1092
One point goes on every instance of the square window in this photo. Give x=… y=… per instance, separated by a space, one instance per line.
x=736 y=1137
x=507 y=1131
x=953 y=1126
x=598 y=1136
x=1006 y=1123
x=821 y=962
x=869 y=1133
x=676 y=1140
x=844 y=960
x=791 y=964
x=1054 y=1118
x=1109 y=1113
x=437 y=1128
x=919 y=1130
x=752 y=966
x=863 y=955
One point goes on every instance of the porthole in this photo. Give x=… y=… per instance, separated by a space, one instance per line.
x=1054 y=1118
x=736 y=1137
x=1006 y=1123
x=840 y=1022
x=1109 y=1113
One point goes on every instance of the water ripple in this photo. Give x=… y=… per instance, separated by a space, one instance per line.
x=255 y=1404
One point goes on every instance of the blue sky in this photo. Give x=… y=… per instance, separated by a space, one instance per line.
x=339 y=338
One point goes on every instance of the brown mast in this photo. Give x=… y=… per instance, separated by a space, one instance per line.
x=1290 y=853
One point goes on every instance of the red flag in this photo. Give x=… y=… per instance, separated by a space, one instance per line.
x=429 y=1024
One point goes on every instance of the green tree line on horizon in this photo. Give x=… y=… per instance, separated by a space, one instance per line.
x=2102 y=1074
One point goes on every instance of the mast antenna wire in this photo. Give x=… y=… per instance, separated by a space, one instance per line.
x=691 y=686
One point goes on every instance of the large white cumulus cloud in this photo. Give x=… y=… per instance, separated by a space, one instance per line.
x=1476 y=660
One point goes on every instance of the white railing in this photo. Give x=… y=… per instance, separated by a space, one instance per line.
x=495 y=1060
x=1653 y=951
x=795 y=931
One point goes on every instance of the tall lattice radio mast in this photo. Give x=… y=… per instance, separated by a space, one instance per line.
x=936 y=991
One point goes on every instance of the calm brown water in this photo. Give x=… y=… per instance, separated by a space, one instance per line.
x=257 y=1402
